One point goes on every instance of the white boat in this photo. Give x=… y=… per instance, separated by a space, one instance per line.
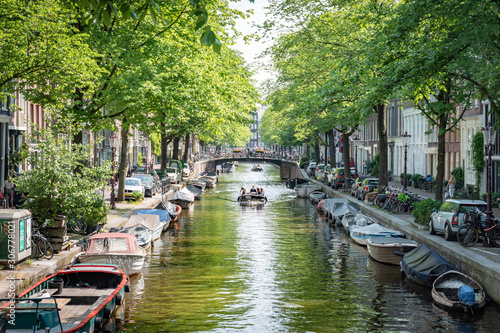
x=361 y=234
x=151 y=222
x=116 y=249
x=182 y=197
x=356 y=219
x=250 y=199
x=303 y=190
x=389 y=250
x=143 y=235
x=455 y=290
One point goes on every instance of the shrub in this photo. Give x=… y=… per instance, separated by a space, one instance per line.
x=137 y=196
x=303 y=162
x=374 y=165
x=458 y=173
x=422 y=210
x=416 y=178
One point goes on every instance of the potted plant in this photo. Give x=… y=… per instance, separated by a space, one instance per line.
x=416 y=179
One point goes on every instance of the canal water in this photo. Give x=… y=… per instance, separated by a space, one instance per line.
x=277 y=268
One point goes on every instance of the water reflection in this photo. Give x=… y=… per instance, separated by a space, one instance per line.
x=276 y=268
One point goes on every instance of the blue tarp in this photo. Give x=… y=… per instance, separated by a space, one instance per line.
x=163 y=214
x=466 y=295
x=424 y=264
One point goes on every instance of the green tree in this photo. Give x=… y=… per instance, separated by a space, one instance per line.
x=60 y=183
x=477 y=157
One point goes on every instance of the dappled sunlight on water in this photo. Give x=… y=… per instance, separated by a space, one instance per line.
x=275 y=268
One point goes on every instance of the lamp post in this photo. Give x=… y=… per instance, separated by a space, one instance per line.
x=112 y=196
x=406 y=135
x=488 y=140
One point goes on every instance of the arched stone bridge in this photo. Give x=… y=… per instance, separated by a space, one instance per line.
x=288 y=169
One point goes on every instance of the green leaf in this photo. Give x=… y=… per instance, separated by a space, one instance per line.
x=200 y=22
x=83 y=3
x=217 y=45
x=133 y=15
x=152 y=13
x=208 y=38
x=106 y=18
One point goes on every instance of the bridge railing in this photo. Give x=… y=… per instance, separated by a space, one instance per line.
x=206 y=157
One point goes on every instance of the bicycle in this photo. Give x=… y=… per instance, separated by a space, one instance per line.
x=469 y=234
x=77 y=224
x=41 y=246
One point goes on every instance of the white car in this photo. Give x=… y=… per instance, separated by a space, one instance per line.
x=174 y=175
x=133 y=185
x=186 y=171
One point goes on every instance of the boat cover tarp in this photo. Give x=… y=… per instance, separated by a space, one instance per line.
x=195 y=190
x=339 y=207
x=162 y=214
x=183 y=195
x=208 y=174
x=358 y=219
x=316 y=195
x=291 y=183
x=422 y=263
x=374 y=230
x=142 y=234
x=168 y=206
x=149 y=221
x=466 y=295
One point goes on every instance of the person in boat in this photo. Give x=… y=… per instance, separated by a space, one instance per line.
x=243 y=191
x=253 y=190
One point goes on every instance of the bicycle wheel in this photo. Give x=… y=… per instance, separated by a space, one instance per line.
x=41 y=245
x=495 y=237
x=35 y=250
x=467 y=236
x=77 y=225
x=393 y=206
x=49 y=250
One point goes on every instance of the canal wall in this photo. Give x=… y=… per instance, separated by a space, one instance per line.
x=482 y=264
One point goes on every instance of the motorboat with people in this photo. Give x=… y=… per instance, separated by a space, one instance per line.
x=257 y=167
x=253 y=196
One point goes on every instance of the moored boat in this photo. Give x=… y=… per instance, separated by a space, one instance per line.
x=455 y=290
x=163 y=215
x=172 y=209
x=303 y=190
x=336 y=208
x=316 y=196
x=197 y=192
x=119 y=249
x=360 y=234
x=77 y=299
x=210 y=182
x=182 y=197
x=357 y=219
x=389 y=250
x=149 y=221
x=423 y=265
x=143 y=235
x=228 y=167
x=291 y=183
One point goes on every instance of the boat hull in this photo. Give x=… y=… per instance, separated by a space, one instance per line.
x=79 y=308
x=130 y=264
x=388 y=253
x=445 y=291
x=182 y=203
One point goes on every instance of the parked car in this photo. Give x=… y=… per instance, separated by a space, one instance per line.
x=186 y=171
x=355 y=186
x=367 y=186
x=139 y=169
x=162 y=173
x=322 y=172
x=150 y=186
x=174 y=175
x=450 y=216
x=311 y=168
x=133 y=185
x=336 y=177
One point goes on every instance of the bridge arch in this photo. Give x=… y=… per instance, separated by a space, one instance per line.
x=288 y=169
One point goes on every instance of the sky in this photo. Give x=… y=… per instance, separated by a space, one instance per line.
x=252 y=50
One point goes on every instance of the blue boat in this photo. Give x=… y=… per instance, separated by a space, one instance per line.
x=423 y=265
x=164 y=215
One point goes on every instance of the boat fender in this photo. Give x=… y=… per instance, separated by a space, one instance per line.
x=107 y=313
x=119 y=299
x=98 y=322
x=127 y=287
x=466 y=295
x=399 y=253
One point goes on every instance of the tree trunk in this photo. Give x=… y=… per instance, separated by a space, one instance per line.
x=345 y=155
x=333 y=157
x=326 y=148
x=186 y=148
x=316 y=152
x=164 y=148
x=175 y=152
x=443 y=121
x=383 y=166
x=123 y=160
x=308 y=152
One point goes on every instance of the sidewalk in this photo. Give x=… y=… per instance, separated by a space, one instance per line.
x=31 y=271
